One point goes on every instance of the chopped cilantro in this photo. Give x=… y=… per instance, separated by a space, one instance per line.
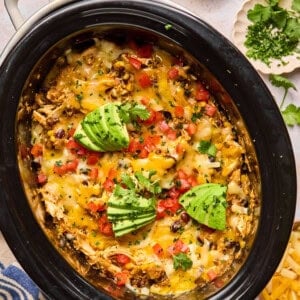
x=79 y=97
x=182 y=261
x=206 y=147
x=146 y=183
x=168 y=26
x=128 y=181
x=274 y=32
x=196 y=116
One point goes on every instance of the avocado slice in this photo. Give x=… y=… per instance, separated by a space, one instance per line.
x=116 y=128
x=131 y=203
x=81 y=137
x=207 y=204
x=125 y=226
x=129 y=216
x=95 y=128
x=117 y=211
x=103 y=131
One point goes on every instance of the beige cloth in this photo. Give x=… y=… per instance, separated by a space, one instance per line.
x=6 y=256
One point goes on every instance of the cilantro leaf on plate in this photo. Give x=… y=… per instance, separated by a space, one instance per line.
x=280 y=81
x=291 y=115
x=259 y=13
x=296 y=5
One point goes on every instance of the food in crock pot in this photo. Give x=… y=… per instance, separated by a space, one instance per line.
x=285 y=283
x=141 y=177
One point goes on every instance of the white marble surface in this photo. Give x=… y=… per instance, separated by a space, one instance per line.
x=218 y=13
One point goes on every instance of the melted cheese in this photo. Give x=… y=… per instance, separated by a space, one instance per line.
x=103 y=73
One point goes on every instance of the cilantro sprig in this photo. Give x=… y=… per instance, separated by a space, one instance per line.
x=130 y=112
x=182 y=261
x=206 y=147
x=280 y=81
x=291 y=113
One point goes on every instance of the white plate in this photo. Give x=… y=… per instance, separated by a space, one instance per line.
x=239 y=36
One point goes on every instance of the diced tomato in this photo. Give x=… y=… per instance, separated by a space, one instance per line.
x=171 y=205
x=144 y=80
x=212 y=274
x=71 y=132
x=95 y=207
x=181 y=174
x=122 y=277
x=174 y=193
x=122 y=259
x=151 y=141
x=218 y=282
x=210 y=110
x=134 y=146
x=179 y=111
x=201 y=94
x=105 y=226
x=159 y=116
x=60 y=169
x=167 y=206
x=158 y=250
x=41 y=178
x=172 y=134
x=183 y=185
x=173 y=73
x=37 y=150
x=76 y=148
x=180 y=148
x=192 y=181
x=185 y=181
x=71 y=165
x=163 y=126
x=178 y=247
x=144 y=153
x=135 y=62
x=152 y=118
x=92 y=158
x=145 y=51
x=112 y=174
x=108 y=185
x=191 y=129
x=145 y=100
x=160 y=210
x=94 y=174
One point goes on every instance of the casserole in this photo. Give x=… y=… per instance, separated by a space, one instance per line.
x=234 y=79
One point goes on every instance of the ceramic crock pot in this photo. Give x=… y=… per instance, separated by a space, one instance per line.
x=60 y=23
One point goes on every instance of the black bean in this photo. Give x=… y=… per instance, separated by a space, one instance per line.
x=184 y=217
x=60 y=133
x=176 y=226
